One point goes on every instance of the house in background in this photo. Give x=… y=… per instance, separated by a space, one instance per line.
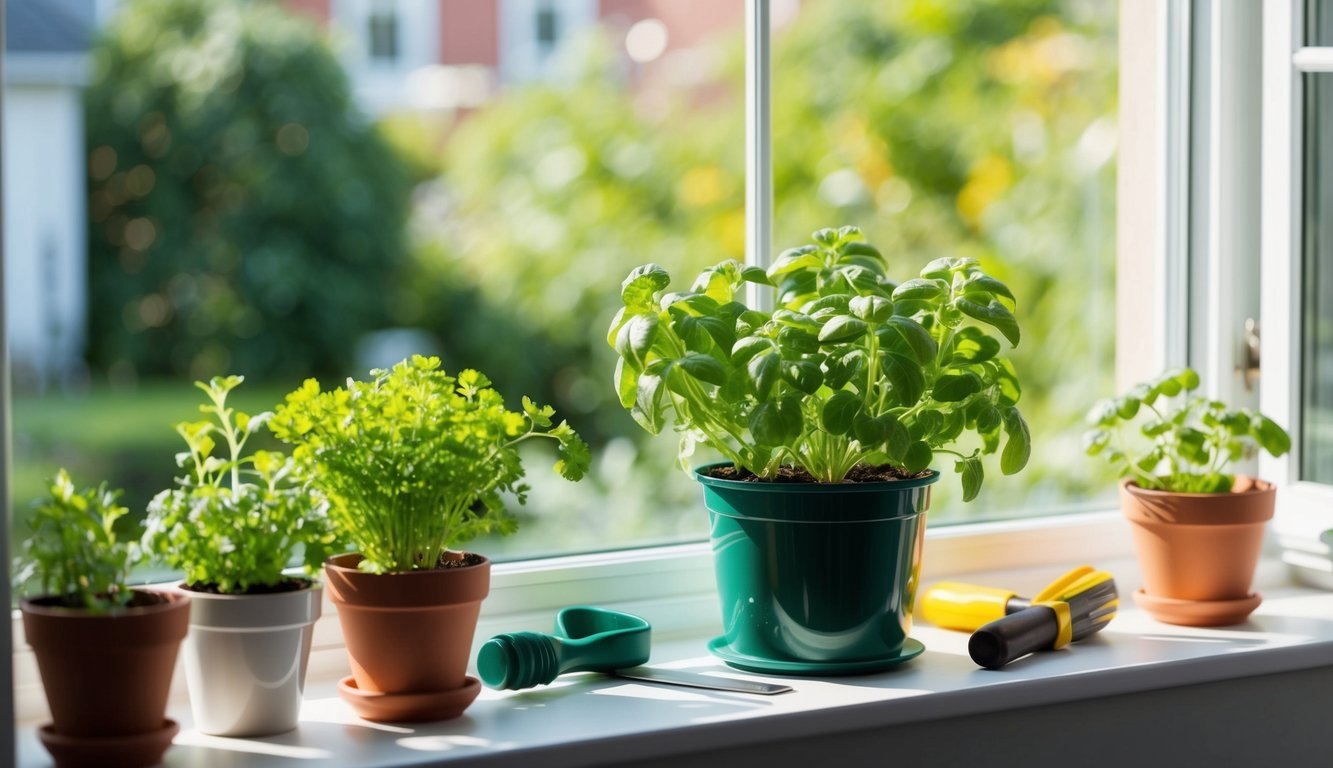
x=457 y=54
x=45 y=238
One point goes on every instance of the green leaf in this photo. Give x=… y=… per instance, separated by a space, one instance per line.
x=864 y=250
x=797 y=341
x=920 y=289
x=636 y=337
x=704 y=368
x=988 y=418
x=1095 y=441
x=839 y=411
x=776 y=422
x=642 y=284
x=1018 y=443
x=748 y=347
x=1103 y=413
x=872 y=309
x=796 y=320
x=840 y=370
x=803 y=375
x=795 y=260
x=646 y=407
x=971 y=473
x=953 y=388
x=973 y=345
x=1189 y=380
x=868 y=430
x=982 y=283
x=1007 y=379
x=1155 y=428
x=764 y=372
x=920 y=341
x=1271 y=437
x=906 y=381
x=842 y=329
x=1126 y=407
x=917 y=457
x=993 y=314
x=897 y=440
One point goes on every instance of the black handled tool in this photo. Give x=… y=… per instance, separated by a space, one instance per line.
x=1074 y=607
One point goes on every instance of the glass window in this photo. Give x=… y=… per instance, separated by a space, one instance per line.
x=983 y=129
x=248 y=215
x=382 y=31
x=1316 y=432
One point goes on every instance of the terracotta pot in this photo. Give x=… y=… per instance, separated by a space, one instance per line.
x=1199 y=548
x=245 y=659
x=407 y=634
x=107 y=678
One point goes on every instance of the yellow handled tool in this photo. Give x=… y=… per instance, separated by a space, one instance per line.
x=1007 y=626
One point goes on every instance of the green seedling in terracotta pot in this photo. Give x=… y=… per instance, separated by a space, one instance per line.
x=1198 y=528
x=108 y=697
x=233 y=524
x=854 y=384
x=414 y=462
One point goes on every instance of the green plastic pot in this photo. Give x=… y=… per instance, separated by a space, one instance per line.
x=816 y=578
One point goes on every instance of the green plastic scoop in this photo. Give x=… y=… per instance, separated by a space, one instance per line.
x=586 y=639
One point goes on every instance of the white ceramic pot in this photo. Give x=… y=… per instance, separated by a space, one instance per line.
x=246 y=657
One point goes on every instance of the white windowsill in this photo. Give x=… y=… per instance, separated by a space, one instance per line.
x=589 y=720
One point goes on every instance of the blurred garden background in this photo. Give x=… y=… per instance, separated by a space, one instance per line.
x=294 y=188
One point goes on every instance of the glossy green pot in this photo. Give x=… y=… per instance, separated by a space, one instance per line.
x=816 y=578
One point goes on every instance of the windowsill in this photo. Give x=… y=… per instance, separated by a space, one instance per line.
x=588 y=719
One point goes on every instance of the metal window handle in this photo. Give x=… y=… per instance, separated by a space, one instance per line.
x=1249 y=367
x=1313 y=59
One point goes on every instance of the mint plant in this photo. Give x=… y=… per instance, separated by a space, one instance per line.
x=73 y=552
x=850 y=369
x=415 y=460
x=234 y=522
x=1164 y=438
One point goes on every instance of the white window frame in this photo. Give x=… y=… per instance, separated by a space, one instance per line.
x=1305 y=509
x=673 y=585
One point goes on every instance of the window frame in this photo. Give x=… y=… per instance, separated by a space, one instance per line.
x=673 y=584
x=1304 y=509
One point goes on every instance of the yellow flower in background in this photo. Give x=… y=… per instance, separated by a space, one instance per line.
x=702 y=185
x=986 y=182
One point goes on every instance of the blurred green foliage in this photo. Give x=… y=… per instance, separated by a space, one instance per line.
x=244 y=215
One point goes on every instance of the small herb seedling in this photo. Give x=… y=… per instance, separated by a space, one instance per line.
x=1165 y=438
x=234 y=522
x=73 y=552
x=850 y=369
x=415 y=460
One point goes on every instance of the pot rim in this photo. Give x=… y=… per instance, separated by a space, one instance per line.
x=330 y=563
x=1259 y=487
x=308 y=585
x=749 y=485
x=174 y=600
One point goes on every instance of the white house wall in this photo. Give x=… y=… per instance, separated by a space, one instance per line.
x=45 y=240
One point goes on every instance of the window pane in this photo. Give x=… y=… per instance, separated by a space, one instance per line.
x=237 y=209
x=1316 y=455
x=983 y=129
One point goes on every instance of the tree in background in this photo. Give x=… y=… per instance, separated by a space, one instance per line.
x=244 y=216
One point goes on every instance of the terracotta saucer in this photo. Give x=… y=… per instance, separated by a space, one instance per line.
x=1198 y=613
x=409 y=707
x=134 y=751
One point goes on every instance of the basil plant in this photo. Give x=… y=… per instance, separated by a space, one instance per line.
x=850 y=369
x=1164 y=436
